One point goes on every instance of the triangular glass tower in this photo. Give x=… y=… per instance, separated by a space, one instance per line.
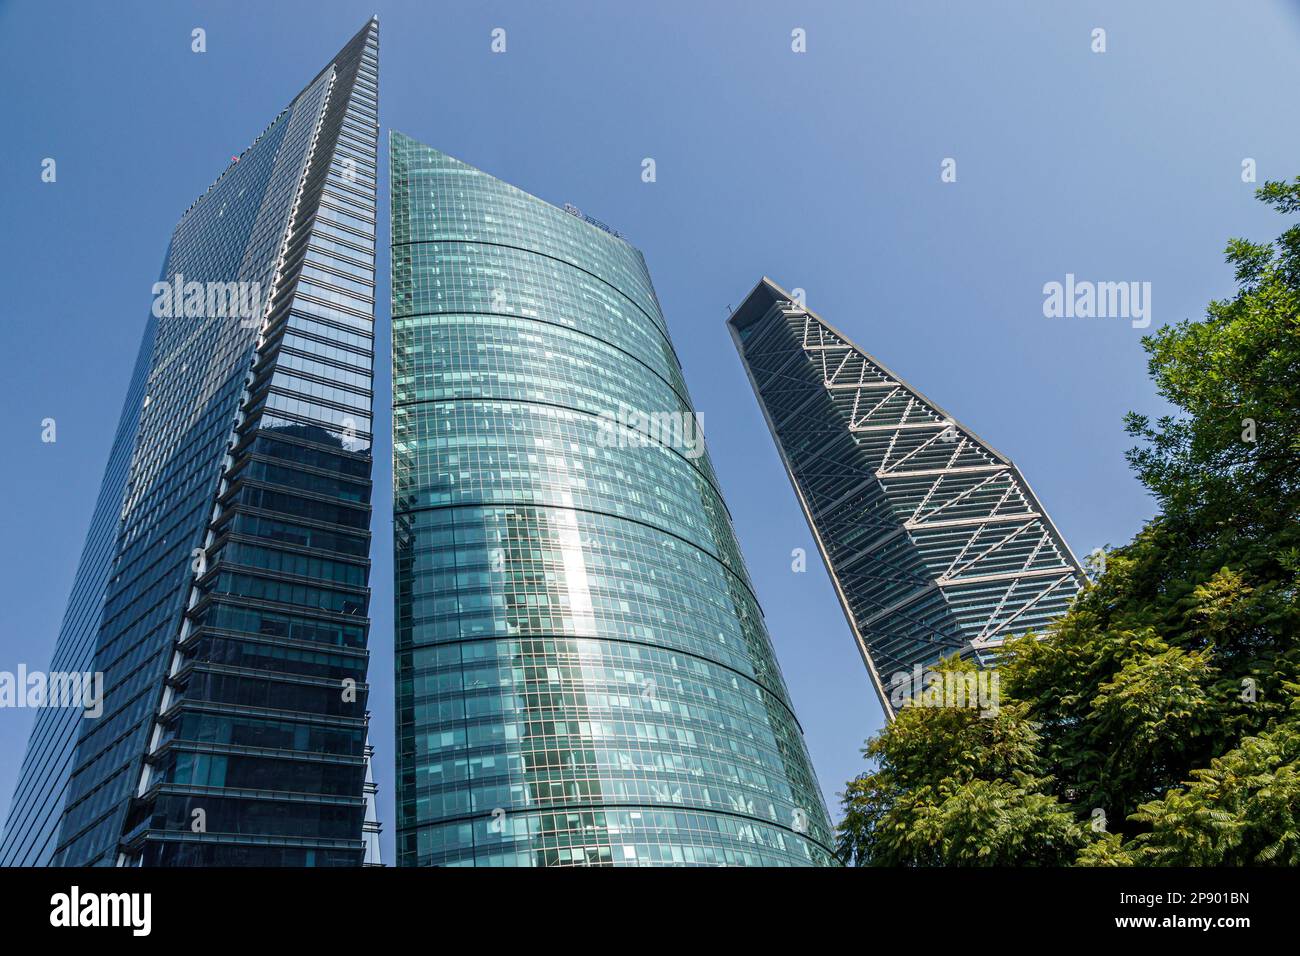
x=221 y=596
x=934 y=540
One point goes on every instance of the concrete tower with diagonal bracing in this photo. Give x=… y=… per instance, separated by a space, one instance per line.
x=934 y=540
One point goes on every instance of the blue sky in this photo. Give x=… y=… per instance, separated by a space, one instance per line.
x=820 y=169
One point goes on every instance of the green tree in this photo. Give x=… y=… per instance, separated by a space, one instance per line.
x=956 y=786
x=1244 y=810
x=1163 y=702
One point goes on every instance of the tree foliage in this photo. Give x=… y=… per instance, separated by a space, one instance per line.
x=956 y=787
x=1164 y=701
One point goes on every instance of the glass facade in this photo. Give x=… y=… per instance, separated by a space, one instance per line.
x=583 y=672
x=223 y=592
x=934 y=540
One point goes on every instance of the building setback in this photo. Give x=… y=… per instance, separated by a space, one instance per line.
x=934 y=541
x=583 y=672
x=222 y=589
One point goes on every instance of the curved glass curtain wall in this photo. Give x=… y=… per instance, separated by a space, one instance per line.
x=584 y=676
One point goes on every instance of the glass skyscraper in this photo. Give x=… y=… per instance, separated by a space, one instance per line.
x=583 y=672
x=222 y=591
x=934 y=540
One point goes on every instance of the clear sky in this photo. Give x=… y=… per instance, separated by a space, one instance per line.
x=820 y=169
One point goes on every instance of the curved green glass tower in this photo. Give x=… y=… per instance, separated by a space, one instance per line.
x=583 y=672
